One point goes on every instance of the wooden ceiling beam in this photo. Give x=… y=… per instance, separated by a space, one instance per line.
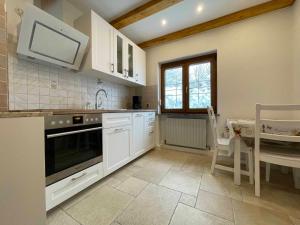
x=221 y=21
x=143 y=11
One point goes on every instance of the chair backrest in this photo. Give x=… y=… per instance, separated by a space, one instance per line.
x=213 y=125
x=278 y=130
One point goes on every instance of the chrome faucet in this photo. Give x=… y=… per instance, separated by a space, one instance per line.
x=96 y=100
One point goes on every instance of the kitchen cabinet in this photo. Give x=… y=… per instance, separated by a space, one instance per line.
x=116 y=147
x=149 y=131
x=125 y=137
x=139 y=59
x=111 y=54
x=64 y=189
x=100 y=56
x=22 y=171
x=139 y=146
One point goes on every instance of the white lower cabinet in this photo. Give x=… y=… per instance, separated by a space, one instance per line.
x=66 y=188
x=117 y=143
x=138 y=120
x=125 y=137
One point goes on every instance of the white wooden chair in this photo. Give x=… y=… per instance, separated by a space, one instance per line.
x=224 y=146
x=274 y=155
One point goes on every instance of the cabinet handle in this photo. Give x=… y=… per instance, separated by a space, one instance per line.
x=112 y=68
x=138 y=115
x=151 y=132
x=119 y=130
x=76 y=178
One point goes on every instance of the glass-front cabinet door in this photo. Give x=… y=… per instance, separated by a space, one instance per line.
x=130 y=53
x=119 y=59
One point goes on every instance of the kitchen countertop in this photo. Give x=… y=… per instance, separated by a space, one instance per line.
x=49 y=112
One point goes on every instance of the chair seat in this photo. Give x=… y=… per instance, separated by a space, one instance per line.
x=281 y=156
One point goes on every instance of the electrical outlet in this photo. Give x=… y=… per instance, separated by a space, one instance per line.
x=53 y=84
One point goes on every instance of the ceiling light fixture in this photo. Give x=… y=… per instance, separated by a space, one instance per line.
x=164 y=22
x=199 y=8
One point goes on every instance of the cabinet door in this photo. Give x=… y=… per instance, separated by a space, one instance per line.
x=102 y=45
x=138 y=134
x=120 y=54
x=116 y=148
x=130 y=48
x=139 y=66
x=149 y=131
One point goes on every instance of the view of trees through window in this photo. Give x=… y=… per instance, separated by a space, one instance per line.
x=189 y=85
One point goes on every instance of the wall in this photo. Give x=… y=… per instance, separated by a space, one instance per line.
x=38 y=86
x=3 y=59
x=254 y=61
x=296 y=51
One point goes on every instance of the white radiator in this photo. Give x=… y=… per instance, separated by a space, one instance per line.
x=186 y=132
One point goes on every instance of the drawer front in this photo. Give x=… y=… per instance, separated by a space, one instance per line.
x=66 y=188
x=110 y=120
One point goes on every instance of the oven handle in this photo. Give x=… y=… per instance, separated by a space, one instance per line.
x=73 y=132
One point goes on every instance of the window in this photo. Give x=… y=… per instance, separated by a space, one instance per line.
x=189 y=86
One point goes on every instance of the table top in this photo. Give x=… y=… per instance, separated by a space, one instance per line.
x=246 y=128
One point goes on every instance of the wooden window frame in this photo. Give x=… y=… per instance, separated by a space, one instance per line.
x=212 y=58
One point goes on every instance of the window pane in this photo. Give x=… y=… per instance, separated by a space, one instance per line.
x=173 y=88
x=199 y=85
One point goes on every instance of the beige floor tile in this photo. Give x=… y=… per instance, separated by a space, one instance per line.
x=59 y=217
x=100 y=208
x=295 y=221
x=132 y=186
x=246 y=214
x=185 y=215
x=181 y=181
x=153 y=172
x=113 y=182
x=218 y=205
x=272 y=198
x=84 y=194
x=154 y=206
x=188 y=200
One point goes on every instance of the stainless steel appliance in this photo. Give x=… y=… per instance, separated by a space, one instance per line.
x=72 y=143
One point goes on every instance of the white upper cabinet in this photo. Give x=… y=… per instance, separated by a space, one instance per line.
x=102 y=45
x=139 y=60
x=112 y=55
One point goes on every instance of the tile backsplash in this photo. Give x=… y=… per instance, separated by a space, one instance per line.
x=37 y=86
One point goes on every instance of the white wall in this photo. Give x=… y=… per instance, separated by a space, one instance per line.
x=296 y=51
x=254 y=61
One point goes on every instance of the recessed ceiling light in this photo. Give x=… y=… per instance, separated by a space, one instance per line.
x=164 y=22
x=199 y=8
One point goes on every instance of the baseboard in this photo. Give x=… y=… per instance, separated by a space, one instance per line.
x=184 y=149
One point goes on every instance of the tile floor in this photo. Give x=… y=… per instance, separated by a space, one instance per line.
x=169 y=187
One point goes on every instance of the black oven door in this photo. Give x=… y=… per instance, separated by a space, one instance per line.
x=70 y=150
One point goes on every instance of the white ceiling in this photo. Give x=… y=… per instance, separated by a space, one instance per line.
x=108 y=9
x=179 y=16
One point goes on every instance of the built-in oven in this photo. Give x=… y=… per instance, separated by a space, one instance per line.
x=72 y=144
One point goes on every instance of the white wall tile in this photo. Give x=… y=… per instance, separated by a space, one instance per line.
x=39 y=86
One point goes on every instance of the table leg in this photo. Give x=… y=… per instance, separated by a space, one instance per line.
x=237 y=160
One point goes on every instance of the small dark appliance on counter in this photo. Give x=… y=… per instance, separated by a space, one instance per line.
x=137 y=102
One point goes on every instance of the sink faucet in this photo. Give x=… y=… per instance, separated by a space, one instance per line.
x=96 y=100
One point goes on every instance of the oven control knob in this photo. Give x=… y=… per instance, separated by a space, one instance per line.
x=61 y=122
x=96 y=119
x=68 y=121
x=92 y=119
x=87 y=120
x=53 y=123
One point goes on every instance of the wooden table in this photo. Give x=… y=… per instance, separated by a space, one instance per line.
x=242 y=128
x=245 y=128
